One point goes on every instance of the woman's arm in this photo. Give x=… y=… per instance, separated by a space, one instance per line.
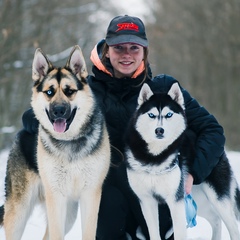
x=210 y=138
x=209 y=133
x=30 y=123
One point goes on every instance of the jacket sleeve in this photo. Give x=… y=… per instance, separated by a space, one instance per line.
x=30 y=123
x=210 y=138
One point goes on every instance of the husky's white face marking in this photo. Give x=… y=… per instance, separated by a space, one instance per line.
x=160 y=127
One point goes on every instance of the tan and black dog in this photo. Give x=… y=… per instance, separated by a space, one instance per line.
x=71 y=153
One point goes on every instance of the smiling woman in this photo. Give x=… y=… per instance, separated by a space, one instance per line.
x=125 y=50
x=125 y=58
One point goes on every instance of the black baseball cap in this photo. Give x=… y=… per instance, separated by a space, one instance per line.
x=126 y=29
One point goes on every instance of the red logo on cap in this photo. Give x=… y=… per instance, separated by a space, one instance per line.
x=127 y=26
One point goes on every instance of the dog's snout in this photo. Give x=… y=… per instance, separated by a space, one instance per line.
x=159 y=131
x=59 y=111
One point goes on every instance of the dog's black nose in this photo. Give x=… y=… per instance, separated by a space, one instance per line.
x=59 y=111
x=159 y=131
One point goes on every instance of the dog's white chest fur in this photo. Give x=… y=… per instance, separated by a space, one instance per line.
x=68 y=176
x=153 y=180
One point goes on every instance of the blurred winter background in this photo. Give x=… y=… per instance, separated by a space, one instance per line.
x=197 y=42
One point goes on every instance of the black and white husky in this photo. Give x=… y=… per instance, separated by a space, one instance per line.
x=156 y=175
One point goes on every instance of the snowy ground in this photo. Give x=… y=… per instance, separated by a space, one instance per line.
x=36 y=224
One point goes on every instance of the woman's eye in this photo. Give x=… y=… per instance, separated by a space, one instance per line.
x=168 y=115
x=134 y=47
x=151 y=115
x=118 y=48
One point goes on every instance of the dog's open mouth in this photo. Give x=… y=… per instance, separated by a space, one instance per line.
x=61 y=124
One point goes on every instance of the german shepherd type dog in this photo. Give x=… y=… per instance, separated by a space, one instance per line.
x=71 y=149
x=156 y=173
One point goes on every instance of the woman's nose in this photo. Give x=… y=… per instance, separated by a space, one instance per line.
x=126 y=50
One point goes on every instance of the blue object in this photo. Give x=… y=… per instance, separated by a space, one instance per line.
x=191 y=211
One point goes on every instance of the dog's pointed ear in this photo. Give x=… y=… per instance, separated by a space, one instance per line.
x=76 y=63
x=145 y=94
x=176 y=94
x=40 y=66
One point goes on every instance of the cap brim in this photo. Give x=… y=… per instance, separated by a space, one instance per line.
x=126 y=39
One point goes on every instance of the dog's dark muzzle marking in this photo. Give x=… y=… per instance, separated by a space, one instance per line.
x=159 y=132
x=61 y=116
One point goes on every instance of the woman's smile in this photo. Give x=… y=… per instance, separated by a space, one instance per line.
x=125 y=58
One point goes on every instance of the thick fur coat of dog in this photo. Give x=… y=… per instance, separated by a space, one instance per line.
x=156 y=171
x=71 y=153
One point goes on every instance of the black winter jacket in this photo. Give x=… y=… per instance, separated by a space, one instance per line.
x=118 y=99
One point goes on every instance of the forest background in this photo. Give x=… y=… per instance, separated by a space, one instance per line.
x=197 y=42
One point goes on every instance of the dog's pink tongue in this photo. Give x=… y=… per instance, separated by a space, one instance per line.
x=59 y=125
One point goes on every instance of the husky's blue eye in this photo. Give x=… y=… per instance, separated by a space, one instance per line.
x=151 y=115
x=168 y=115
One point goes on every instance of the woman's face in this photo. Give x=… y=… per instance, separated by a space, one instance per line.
x=125 y=58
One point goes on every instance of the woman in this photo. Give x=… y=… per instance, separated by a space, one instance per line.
x=120 y=67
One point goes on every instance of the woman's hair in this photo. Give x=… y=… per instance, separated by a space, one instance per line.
x=104 y=59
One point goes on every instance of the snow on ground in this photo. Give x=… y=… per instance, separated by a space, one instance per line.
x=36 y=224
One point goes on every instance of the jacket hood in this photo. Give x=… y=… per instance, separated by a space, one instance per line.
x=96 y=56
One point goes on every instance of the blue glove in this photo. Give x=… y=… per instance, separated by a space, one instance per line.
x=191 y=211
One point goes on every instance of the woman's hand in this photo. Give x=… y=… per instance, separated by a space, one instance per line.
x=188 y=183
